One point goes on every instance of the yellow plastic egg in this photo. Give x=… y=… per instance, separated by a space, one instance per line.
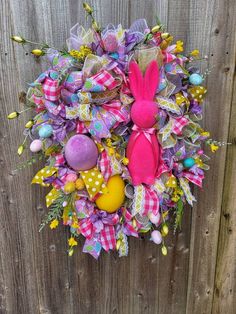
x=79 y=184
x=69 y=187
x=114 y=198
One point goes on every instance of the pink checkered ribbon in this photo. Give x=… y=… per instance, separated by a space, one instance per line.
x=51 y=89
x=104 y=78
x=179 y=124
x=59 y=160
x=108 y=238
x=104 y=165
x=151 y=202
x=106 y=233
x=80 y=128
x=128 y=228
x=167 y=55
x=194 y=178
x=114 y=107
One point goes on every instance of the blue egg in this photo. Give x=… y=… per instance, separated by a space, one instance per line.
x=114 y=55
x=168 y=67
x=195 y=79
x=188 y=162
x=45 y=131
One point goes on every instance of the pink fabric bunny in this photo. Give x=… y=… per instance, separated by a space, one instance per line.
x=143 y=148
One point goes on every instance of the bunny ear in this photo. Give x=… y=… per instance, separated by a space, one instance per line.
x=135 y=80
x=151 y=80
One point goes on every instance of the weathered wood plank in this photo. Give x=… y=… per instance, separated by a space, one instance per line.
x=214 y=35
x=225 y=285
x=34 y=284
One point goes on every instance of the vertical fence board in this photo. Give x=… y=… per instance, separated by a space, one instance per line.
x=215 y=34
x=37 y=276
x=225 y=285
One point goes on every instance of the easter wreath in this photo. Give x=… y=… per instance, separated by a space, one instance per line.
x=117 y=123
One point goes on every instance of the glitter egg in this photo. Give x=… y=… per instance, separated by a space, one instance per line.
x=195 y=79
x=45 y=131
x=188 y=162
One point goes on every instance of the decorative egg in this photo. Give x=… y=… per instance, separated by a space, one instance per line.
x=69 y=187
x=155 y=219
x=81 y=152
x=114 y=198
x=188 y=162
x=36 y=146
x=195 y=79
x=156 y=237
x=45 y=131
x=79 y=184
x=71 y=177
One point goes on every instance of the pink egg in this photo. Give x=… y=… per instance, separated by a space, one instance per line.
x=155 y=219
x=36 y=146
x=156 y=237
x=200 y=152
x=71 y=177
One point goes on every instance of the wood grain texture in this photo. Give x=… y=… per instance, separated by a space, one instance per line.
x=36 y=274
x=225 y=285
x=217 y=39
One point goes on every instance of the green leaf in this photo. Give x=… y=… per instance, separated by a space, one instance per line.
x=179 y=214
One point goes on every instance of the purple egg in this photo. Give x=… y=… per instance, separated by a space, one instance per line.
x=81 y=152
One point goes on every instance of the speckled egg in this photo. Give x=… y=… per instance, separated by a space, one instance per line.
x=195 y=79
x=45 y=131
x=36 y=146
x=188 y=162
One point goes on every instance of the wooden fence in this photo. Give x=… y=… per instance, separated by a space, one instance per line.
x=198 y=275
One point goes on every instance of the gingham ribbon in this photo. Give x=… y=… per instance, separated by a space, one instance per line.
x=101 y=225
x=59 y=160
x=103 y=78
x=80 y=128
x=51 y=89
x=151 y=202
x=194 y=178
x=114 y=107
x=128 y=228
x=147 y=132
x=179 y=123
x=167 y=55
x=145 y=201
x=104 y=165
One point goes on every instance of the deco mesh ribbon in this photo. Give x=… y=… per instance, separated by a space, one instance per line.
x=82 y=124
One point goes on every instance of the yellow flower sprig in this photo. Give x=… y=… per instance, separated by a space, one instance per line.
x=37 y=52
x=54 y=224
x=71 y=242
x=179 y=46
x=80 y=54
x=88 y=9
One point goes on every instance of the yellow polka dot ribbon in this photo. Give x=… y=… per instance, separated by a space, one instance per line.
x=197 y=93
x=180 y=99
x=94 y=182
x=51 y=197
x=42 y=174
